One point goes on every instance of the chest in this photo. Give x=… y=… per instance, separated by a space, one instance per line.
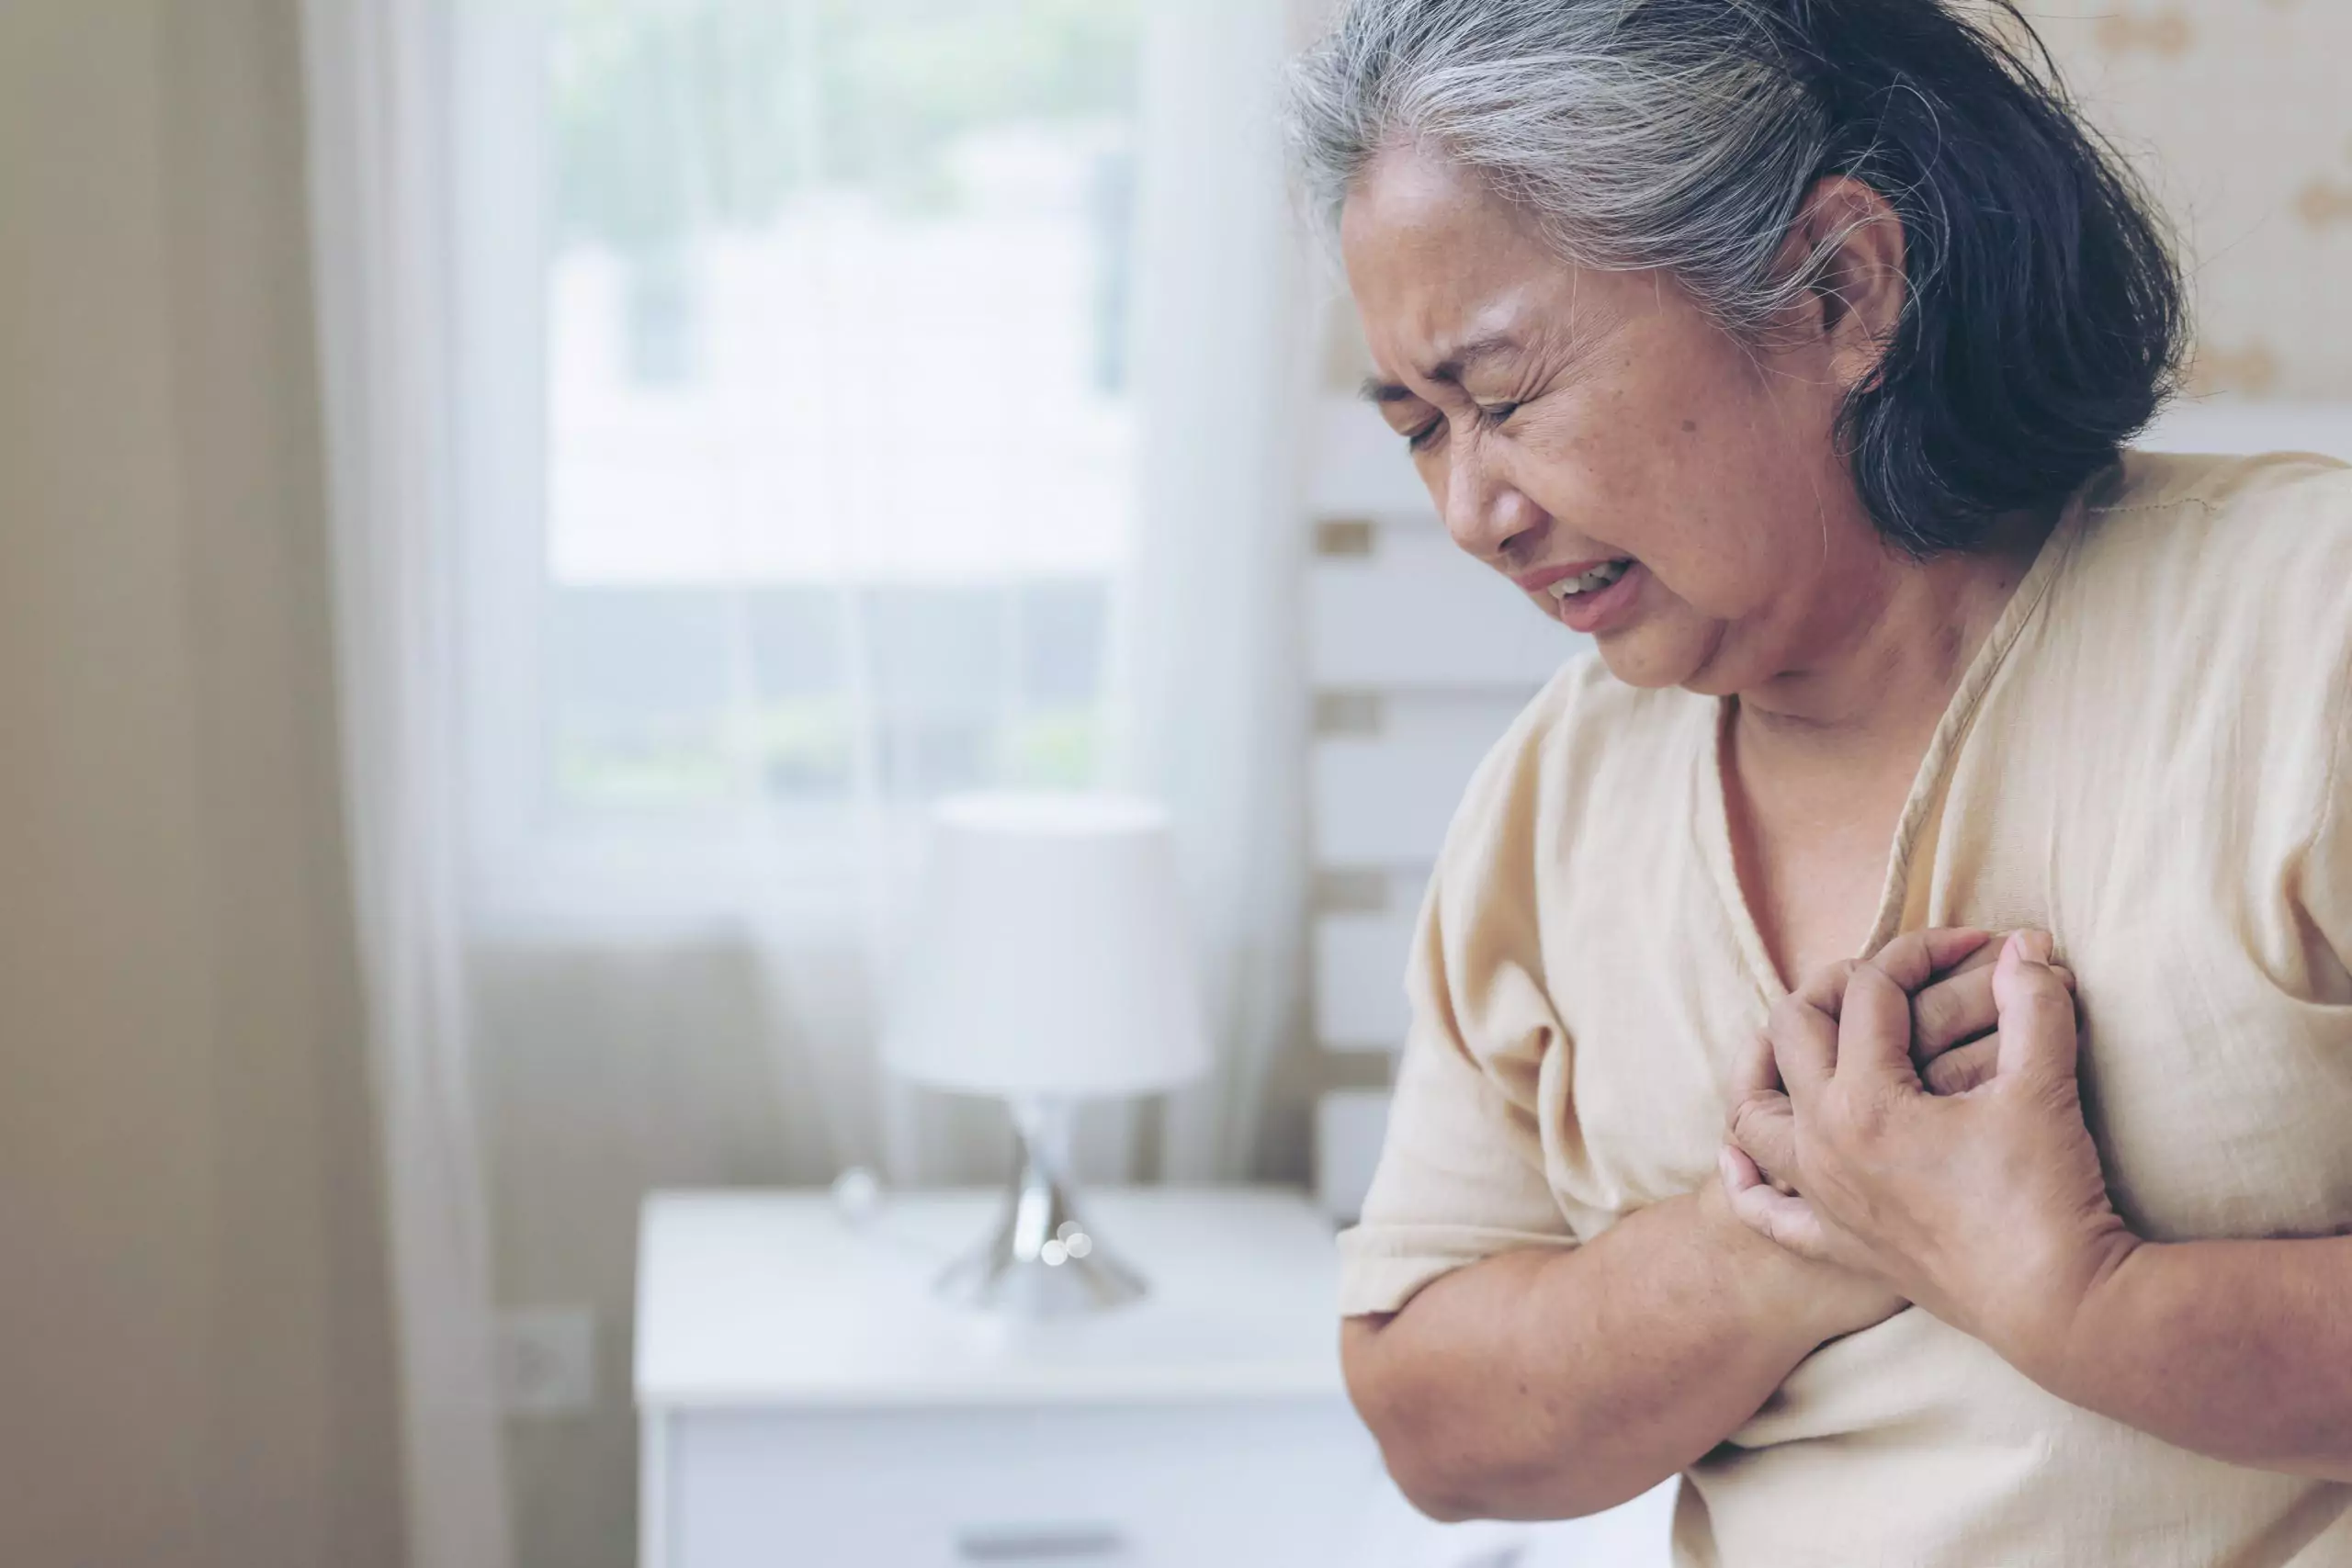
x=2218 y=1085
x=1810 y=866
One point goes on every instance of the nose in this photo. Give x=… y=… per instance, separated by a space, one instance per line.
x=1488 y=515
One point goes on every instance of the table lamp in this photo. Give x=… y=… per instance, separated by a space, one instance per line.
x=1050 y=964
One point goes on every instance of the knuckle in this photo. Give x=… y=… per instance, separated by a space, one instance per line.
x=1749 y=1117
x=1821 y=990
x=1755 y=1068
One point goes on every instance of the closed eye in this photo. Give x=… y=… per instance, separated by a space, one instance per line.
x=1421 y=440
x=1495 y=414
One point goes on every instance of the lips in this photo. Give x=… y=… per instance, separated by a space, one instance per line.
x=1542 y=581
x=1592 y=582
x=1599 y=598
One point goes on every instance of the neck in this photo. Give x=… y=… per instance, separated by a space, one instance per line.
x=1881 y=675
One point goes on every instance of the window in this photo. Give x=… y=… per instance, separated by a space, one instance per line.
x=833 y=419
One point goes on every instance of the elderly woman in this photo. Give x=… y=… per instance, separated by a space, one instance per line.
x=1788 y=349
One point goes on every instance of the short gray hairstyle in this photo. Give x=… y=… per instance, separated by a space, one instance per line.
x=1674 y=146
x=2044 y=319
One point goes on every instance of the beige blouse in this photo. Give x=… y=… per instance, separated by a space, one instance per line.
x=2148 y=759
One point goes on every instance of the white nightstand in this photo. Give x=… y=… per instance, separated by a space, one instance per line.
x=806 y=1402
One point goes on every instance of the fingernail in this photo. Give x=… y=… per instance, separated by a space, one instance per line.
x=2034 y=946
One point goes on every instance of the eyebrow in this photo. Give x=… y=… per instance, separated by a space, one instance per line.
x=1449 y=369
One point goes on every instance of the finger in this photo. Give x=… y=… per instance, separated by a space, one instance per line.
x=1874 y=1030
x=1960 y=1010
x=1951 y=1013
x=1958 y=1071
x=1739 y=1171
x=1753 y=1071
x=1804 y=1043
x=1824 y=990
x=2038 y=1035
x=1776 y=1216
x=1764 y=1127
x=1913 y=958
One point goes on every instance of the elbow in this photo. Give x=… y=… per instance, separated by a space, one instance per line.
x=1444 y=1457
x=1445 y=1507
x=1451 y=1489
x=1429 y=1471
x=1435 y=1477
x=1437 y=1483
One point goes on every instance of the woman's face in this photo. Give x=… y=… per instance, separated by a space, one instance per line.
x=1568 y=420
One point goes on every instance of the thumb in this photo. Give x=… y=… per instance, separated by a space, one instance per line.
x=2036 y=1012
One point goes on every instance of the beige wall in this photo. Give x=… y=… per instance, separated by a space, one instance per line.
x=193 y=1356
x=2237 y=112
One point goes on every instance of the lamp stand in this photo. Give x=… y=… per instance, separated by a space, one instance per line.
x=1041 y=1262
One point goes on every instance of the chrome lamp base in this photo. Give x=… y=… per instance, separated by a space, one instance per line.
x=1042 y=1261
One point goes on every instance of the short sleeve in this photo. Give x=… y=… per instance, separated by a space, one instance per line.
x=1461 y=1174
x=2326 y=879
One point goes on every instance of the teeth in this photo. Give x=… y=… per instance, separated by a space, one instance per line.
x=1598 y=577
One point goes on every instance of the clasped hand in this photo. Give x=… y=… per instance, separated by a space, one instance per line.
x=1974 y=1192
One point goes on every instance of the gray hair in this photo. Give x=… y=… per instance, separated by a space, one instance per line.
x=2043 y=321
x=1637 y=136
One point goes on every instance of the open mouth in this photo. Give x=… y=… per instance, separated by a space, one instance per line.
x=1600 y=600
x=1592 y=581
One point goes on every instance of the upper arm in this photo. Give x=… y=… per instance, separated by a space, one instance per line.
x=1462 y=1172
x=1482 y=1078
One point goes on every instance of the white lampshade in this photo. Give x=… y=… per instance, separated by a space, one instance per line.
x=1050 y=954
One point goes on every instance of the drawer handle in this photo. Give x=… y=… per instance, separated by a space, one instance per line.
x=1039 y=1543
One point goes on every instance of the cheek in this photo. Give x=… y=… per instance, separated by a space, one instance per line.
x=1684 y=454
x=1734 y=494
x=1680 y=499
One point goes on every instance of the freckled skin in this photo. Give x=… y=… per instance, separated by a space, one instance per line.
x=1641 y=430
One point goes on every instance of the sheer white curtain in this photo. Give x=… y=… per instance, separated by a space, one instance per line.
x=910 y=415
x=1217 y=686
x=380 y=161
x=753 y=419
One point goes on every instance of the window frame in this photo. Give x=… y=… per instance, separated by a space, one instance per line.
x=535 y=871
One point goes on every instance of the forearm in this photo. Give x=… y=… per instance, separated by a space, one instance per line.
x=1550 y=1385
x=2238 y=1349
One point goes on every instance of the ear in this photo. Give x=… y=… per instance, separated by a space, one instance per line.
x=1847 y=240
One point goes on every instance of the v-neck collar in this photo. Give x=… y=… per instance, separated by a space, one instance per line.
x=1922 y=808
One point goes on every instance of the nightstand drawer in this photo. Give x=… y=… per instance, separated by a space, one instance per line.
x=1277 y=1483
